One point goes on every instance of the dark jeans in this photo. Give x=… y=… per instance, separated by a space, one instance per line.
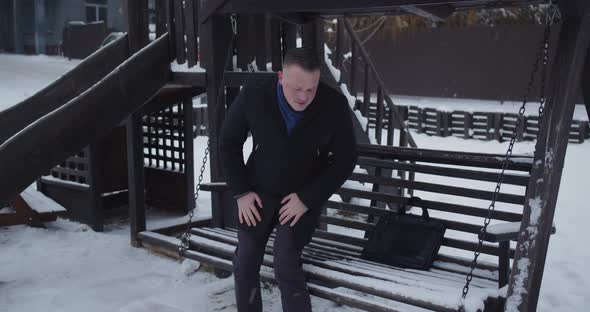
x=288 y=244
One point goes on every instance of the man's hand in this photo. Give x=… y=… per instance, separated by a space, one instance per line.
x=247 y=210
x=293 y=209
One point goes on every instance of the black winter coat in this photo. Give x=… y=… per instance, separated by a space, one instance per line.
x=314 y=161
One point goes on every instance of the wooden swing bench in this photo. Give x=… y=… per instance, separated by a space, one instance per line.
x=332 y=260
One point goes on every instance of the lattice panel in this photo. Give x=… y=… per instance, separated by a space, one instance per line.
x=163 y=138
x=73 y=169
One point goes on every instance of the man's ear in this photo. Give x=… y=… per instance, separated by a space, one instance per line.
x=280 y=75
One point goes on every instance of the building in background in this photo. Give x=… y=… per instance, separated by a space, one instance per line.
x=37 y=26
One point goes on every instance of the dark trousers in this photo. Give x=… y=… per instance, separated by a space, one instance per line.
x=288 y=245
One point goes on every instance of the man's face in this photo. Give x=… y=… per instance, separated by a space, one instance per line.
x=299 y=86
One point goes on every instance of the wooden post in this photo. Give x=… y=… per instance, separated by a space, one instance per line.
x=218 y=31
x=189 y=164
x=262 y=41
x=96 y=185
x=353 y=66
x=583 y=130
x=190 y=22
x=161 y=17
x=539 y=208
x=275 y=43
x=468 y=125
x=137 y=30
x=498 y=126
x=179 y=28
x=366 y=92
x=503 y=263
x=379 y=116
x=339 y=44
x=521 y=130
x=289 y=33
x=390 y=127
x=586 y=84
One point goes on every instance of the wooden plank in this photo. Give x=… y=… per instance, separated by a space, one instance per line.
x=65 y=88
x=245 y=42
x=289 y=37
x=189 y=153
x=354 y=69
x=467 y=210
x=219 y=33
x=438 y=188
x=275 y=43
x=379 y=124
x=136 y=13
x=539 y=210
x=585 y=84
x=339 y=44
x=155 y=242
x=518 y=163
x=96 y=183
x=262 y=40
x=227 y=250
x=326 y=250
x=472 y=246
x=333 y=7
x=191 y=30
x=171 y=27
x=514 y=179
x=160 y=17
x=179 y=28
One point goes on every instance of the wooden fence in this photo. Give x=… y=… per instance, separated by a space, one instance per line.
x=482 y=125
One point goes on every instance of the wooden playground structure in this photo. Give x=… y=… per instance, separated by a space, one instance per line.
x=117 y=131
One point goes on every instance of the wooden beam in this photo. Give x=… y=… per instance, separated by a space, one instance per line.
x=135 y=13
x=274 y=47
x=192 y=79
x=338 y=6
x=586 y=83
x=137 y=30
x=189 y=153
x=218 y=30
x=192 y=32
x=531 y=252
x=435 y=13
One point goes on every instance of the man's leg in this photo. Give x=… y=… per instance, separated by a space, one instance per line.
x=248 y=257
x=288 y=245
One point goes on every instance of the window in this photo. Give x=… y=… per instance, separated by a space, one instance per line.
x=96 y=10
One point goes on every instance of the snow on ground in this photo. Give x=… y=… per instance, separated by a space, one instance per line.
x=474 y=105
x=68 y=267
x=22 y=76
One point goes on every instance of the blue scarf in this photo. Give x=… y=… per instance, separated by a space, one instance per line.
x=290 y=116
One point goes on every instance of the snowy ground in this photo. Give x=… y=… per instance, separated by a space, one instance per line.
x=68 y=267
x=22 y=76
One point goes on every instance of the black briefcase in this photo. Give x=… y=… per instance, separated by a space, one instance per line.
x=405 y=240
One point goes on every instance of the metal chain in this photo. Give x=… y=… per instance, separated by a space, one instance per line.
x=185 y=238
x=542 y=56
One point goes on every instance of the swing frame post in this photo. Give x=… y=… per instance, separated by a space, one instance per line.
x=549 y=157
x=217 y=30
x=138 y=37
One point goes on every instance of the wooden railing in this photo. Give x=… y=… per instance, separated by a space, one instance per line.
x=383 y=115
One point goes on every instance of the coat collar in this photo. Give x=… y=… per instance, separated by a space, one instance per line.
x=310 y=113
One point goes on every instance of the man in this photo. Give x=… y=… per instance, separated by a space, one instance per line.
x=303 y=150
